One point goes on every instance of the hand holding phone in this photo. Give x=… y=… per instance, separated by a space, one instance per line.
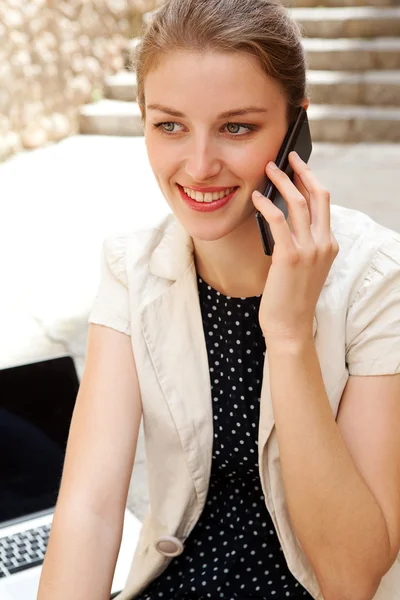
x=298 y=139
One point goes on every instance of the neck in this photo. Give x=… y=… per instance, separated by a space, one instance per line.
x=235 y=265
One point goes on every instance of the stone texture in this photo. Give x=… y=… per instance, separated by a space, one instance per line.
x=111 y=117
x=352 y=55
x=53 y=58
x=353 y=124
x=347 y=22
x=375 y=88
x=122 y=86
x=34 y=136
x=10 y=143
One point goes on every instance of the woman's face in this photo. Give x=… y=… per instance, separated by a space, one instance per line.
x=200 y=148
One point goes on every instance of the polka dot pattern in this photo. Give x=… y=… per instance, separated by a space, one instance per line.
x=233 y=551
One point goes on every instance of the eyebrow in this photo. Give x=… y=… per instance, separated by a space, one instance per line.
x=225 y=115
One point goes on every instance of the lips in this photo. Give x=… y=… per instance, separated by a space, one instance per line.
x=206 y=207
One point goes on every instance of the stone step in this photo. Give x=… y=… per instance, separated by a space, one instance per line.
x=354 y=124
x=348 y=22
x=371 y=88
x=121 y=86
x=343 y=124
x=111 y=117
x=352 y=54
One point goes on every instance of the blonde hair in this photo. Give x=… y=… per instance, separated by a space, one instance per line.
x=261 y=28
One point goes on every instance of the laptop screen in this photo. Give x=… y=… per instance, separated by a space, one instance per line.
x=36 y=405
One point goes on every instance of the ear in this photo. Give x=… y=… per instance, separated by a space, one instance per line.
x=306 y=103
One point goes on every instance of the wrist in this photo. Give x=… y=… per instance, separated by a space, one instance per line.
x=294 y=343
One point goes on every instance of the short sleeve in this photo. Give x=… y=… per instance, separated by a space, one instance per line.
x=111 y=305
x=373 y=319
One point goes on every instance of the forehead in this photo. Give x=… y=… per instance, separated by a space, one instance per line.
x=210 y=82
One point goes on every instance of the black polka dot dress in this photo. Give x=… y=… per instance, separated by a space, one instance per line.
x=233 y=552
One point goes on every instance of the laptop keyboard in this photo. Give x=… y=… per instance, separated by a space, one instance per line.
x=23 y=550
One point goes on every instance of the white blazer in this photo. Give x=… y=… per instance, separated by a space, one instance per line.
x=148 y=290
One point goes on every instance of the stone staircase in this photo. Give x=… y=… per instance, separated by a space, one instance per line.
x=353 y=50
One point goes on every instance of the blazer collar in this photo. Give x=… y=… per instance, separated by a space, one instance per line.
x=175 y=251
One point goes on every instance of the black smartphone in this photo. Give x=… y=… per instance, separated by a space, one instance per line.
x=298 y=138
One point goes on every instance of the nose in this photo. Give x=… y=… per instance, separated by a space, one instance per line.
x=203 y=162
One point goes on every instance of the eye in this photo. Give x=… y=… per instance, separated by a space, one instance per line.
x=163 y=127
x=167 y=128
x=241 y=126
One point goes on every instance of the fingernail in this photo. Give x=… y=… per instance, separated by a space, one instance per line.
x=258 y=194
x=272 y=165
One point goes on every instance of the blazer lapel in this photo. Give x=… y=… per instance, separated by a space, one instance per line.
x=173 y=331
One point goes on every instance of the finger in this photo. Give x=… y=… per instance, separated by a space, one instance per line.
x=297 y=204
x=299 y=184
x=276 y=219
x=319 y=196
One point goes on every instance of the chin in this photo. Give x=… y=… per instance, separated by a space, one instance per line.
x=211 y=231
x=210 y=227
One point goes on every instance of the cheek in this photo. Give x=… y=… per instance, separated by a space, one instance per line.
x=156 y=156
x=266 y=152
x=266 y=149
x=252 y=166
x=246 y=162
x=162 y=157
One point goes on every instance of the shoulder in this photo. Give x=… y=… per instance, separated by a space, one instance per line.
x=124 y=248
x=366 y=286
x=366 y=248
x=358 y=230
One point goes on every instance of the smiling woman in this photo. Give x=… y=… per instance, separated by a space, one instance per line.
x=219 y=81
x=269 y=385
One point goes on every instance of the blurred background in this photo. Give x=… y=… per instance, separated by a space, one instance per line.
x=74 y=168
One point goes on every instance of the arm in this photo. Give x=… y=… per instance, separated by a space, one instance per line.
x=341 y=479
x=342 y=497
x=88 y=520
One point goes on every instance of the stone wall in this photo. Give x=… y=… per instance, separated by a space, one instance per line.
x=54 y=55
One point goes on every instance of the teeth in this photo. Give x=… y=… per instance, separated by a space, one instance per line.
x=208 y=197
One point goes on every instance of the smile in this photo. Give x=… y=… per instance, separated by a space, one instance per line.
x=207 y=197
x=208 y=202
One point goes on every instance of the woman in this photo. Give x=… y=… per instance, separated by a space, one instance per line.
x=269 y=386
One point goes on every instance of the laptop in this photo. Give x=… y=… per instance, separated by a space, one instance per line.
x=36 y=405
